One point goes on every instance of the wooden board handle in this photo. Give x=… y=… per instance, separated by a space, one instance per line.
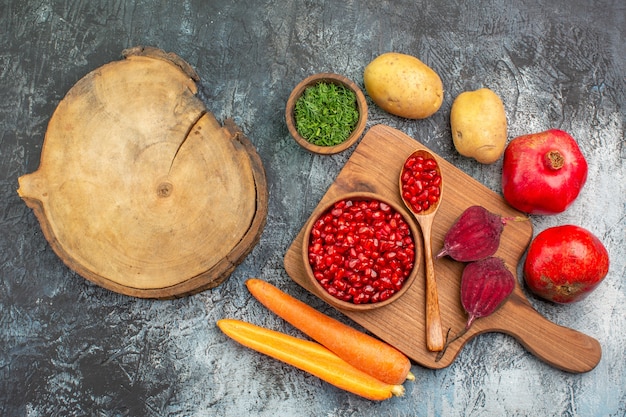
x=559 y=346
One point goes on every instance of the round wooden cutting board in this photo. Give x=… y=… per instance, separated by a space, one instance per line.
x=139 y=188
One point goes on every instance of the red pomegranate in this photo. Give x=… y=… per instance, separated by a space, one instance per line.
x=543 y=173
x=565 y=263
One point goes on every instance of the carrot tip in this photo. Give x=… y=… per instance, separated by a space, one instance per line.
x=410 y=376
x=398 y=390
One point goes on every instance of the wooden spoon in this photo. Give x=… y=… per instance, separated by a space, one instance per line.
x=425 y=216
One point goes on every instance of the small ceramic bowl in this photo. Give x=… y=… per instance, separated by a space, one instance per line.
x=320 y=291
x=326 y=78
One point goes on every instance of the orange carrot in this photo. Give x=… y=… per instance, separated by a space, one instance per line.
x=310 y=357
x=362 y=351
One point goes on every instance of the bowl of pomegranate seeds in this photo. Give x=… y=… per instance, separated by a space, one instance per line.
x=360 y=251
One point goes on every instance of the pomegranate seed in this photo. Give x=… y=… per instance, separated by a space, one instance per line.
x=353 y=291
x=430 y=164
x=343 y=296
x=385 y=294
x=340 y=285
x=360 y=298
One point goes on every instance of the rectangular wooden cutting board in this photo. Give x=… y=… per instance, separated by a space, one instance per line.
x=375 y=167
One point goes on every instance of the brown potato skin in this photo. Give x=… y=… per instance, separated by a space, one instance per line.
x=478 y=125
x=403 y=85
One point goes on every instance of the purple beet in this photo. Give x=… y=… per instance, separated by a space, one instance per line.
x=474 y=235
x=485 y=285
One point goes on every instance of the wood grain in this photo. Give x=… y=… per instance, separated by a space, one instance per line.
x=402 y=323
x=140 y=189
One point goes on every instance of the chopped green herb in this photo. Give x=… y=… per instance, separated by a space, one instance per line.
x=326 y=114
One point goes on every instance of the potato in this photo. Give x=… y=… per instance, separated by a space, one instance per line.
x=479 y=128
x=403 y=85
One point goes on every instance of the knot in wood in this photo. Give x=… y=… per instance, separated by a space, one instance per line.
x=164 y=189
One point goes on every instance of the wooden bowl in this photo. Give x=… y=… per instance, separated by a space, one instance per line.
x=326 y=78
x=349 y=305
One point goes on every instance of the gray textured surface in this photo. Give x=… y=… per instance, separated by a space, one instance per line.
x=68 y=347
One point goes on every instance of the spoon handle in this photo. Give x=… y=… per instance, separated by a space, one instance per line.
x=434 y=330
